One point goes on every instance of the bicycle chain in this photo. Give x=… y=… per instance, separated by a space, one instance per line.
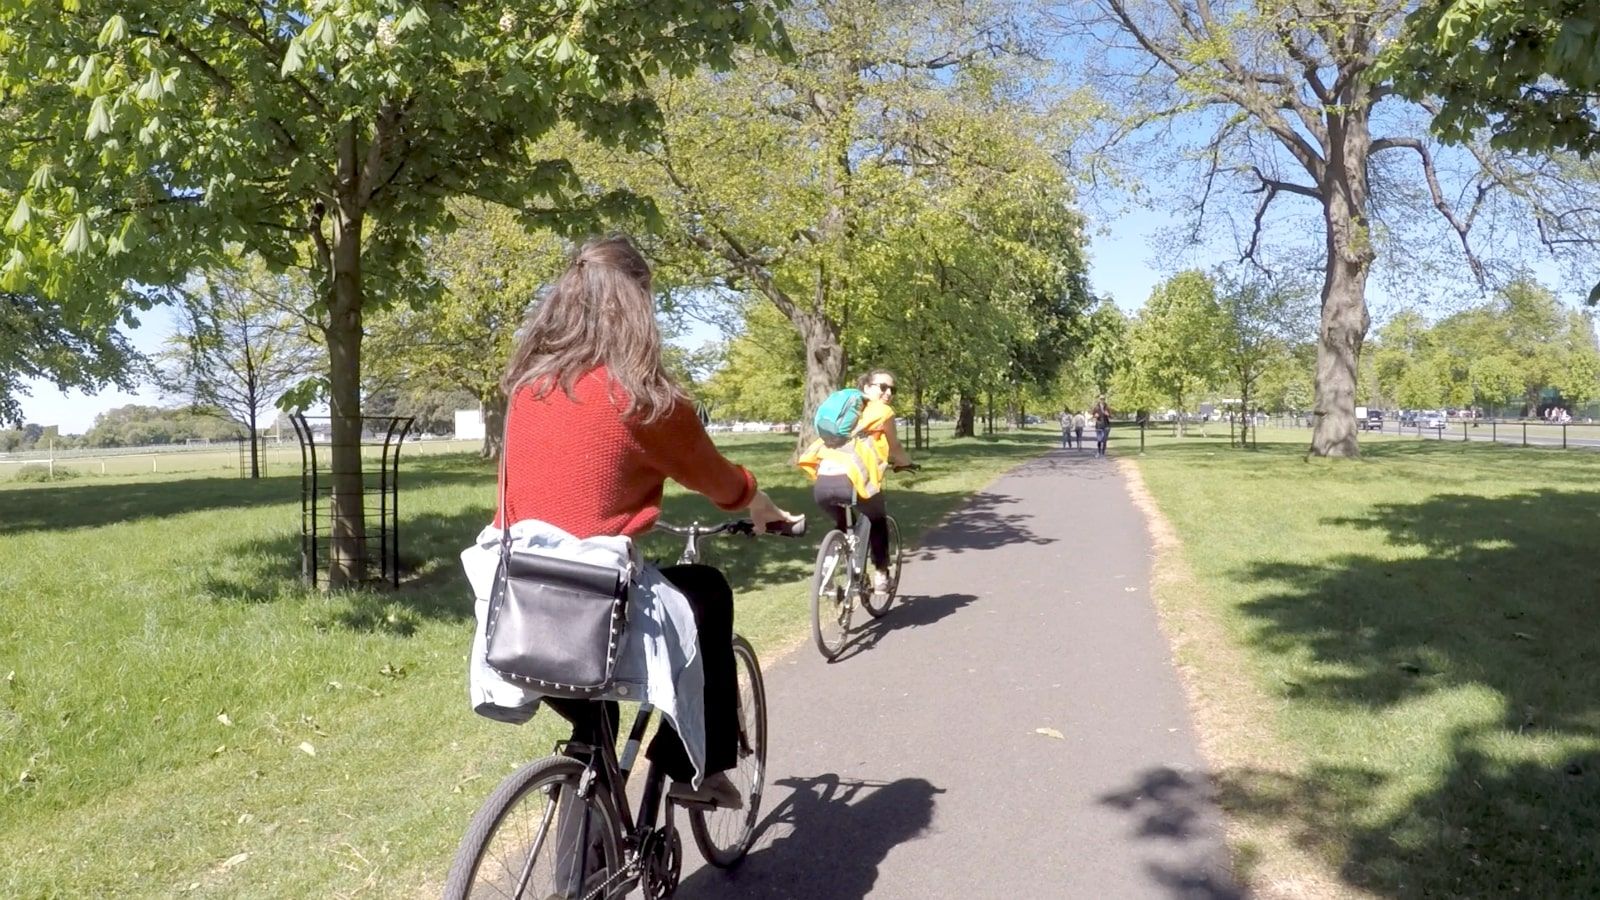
x=624 y=873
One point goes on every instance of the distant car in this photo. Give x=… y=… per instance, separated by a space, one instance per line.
x=1373 y=421
x=1435 y=420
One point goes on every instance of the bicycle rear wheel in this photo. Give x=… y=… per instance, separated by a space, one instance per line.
x=869 y=599
x=724 y=835
x=831 y=595
x=523 y=841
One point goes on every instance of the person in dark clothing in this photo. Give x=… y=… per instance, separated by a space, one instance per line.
x=1102 y=425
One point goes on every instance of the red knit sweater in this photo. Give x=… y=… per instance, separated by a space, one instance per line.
x=579 y=465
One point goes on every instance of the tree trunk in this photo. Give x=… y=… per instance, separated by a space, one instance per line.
x=255 y=442
x=1344 y=287
x=918 y=429
x=824 y=369
x=966 y=416
x=347 y=546
x=493 y=406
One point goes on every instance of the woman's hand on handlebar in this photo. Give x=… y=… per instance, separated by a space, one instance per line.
x=768 y=517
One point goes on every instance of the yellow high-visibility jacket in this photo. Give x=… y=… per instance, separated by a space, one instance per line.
x=863 y=458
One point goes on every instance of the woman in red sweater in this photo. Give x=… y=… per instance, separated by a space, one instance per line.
x=594 y=428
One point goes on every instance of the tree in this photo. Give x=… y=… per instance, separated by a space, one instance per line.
x=1292 y=90
x=1103 y=349
x=40 y=339
x=326 y=135
x=1524 y=69
x=242 y=346
x=1178 y=339
x=763 y=372
x=489 y=271
x=791 y=178
x=136 y=425
x=1258 y=322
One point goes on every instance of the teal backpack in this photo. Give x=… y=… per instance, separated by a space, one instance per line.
x=838 y=416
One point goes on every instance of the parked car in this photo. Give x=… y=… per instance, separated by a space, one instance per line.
x=1432 y=419
x=1373 y=421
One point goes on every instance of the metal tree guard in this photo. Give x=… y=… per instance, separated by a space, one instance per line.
x=387 y=433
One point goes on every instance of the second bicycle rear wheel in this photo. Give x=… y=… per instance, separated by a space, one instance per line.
x=724 y=835
x=831 y=600
x=870 y=599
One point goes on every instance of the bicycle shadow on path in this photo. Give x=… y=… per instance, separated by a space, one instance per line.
x=907 y=612
x=825 y=839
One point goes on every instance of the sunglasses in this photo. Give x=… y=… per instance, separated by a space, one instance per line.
x=884 y=387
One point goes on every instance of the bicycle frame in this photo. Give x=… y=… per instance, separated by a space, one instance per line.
x=857 y=532
x=612 y=773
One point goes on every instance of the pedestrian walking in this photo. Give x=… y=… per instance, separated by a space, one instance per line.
x=1079 y=420
x=1066 y=429
x=1102 y=426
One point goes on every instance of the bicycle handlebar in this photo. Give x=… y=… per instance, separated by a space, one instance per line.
x=797 y=528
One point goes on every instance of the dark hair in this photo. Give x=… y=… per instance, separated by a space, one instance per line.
x=598 y=313
x=867 y=376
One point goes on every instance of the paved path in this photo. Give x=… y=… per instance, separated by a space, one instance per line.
x=912 y=768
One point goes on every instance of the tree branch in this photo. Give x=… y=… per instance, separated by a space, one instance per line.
x=1462 y=227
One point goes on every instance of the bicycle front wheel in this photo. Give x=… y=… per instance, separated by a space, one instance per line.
x=535 y=837
x=724 y=835
x=831 y=595
x=871 y=599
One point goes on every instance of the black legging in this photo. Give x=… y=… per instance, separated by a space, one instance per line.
x=834 y=492
x=711 y=599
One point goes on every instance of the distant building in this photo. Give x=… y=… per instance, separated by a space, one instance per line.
x=469 y=424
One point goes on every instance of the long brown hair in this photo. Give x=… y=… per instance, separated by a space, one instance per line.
x=598 y=313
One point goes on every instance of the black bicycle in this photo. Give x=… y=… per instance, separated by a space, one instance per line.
x=560 y=829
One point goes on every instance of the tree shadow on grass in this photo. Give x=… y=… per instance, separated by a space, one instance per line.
x=94 y=503
x=433 y=586
x=1494 y=607
x=825 y=839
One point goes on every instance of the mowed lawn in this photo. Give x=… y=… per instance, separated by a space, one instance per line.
x=1421 y=629
x=179 y=715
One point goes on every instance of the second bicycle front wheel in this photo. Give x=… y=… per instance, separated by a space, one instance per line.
x=535 y=837
x=724 y=835
x=875 y=604
x=831 y=599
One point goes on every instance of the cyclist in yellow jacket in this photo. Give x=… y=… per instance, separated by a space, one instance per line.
x=854 y=472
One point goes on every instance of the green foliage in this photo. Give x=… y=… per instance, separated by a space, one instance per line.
x=145 y=140
x=1504 y=353
x=1177 y=341
x=762 y=377
x=890 y=191
x=1525 y=70
x=489 y=270
x=38 y=473
x=433 y=409
x=136 y=426
x=1261 y=320
x=39 y=339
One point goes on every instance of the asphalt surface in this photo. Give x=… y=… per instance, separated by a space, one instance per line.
x=915 y=766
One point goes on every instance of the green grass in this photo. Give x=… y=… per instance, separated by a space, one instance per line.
x=179 y=715
x=1422 y=623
